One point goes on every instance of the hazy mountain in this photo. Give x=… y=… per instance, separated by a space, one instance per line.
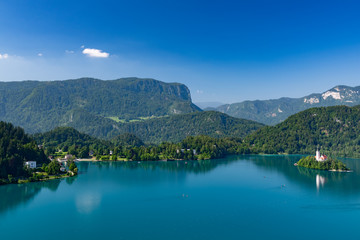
x=275 y=111
x=208 y=105
x=336 y=130
x=39 y=106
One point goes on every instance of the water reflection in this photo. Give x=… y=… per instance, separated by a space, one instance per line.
x=197 y=167
x=11 y=196
x=337 y=183
x=70 y=180
x=87 y=202
x=320 y=181
x=148 y=173
x=99 y=175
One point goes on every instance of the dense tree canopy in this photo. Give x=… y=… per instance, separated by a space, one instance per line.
x=329 y=164
x=68 y=140
x=16 y=148
x=177 y=127
x=336 y=130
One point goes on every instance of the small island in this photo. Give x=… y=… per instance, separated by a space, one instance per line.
x=321 y=162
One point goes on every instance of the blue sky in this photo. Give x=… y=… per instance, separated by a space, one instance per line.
x=225 y=51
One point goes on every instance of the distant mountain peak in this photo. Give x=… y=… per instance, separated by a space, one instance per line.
x=276 y=110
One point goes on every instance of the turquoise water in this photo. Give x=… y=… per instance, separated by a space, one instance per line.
x=240 y=197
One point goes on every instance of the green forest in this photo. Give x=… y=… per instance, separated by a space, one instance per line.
x=16 y=148
x=66 y=140
x=176 y=127
x=329 y=164
x=335 y=130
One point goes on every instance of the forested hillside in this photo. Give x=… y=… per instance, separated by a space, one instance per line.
x=172 y=128
x=41 y=106
x=16 y=148
x=62 y=141
x=176 y=128
x=152 y=110
x=70 y=140
x=335 y=130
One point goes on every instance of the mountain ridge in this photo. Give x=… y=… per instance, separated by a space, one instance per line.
x=274 y=111
x=39 y=106
x=172 y=128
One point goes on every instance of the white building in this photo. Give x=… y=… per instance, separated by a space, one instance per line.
x=319 y=157
x=30 y=164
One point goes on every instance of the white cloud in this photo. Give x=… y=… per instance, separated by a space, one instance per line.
x=199 y=91
x=91 y=52
x=4 y=56
x=82 y=46
x=69 y=51
x=40 y=54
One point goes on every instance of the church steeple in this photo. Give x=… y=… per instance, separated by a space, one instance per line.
x=317 y=156
x=320 y=157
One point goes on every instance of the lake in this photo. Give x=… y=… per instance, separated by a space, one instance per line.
x=239 y=197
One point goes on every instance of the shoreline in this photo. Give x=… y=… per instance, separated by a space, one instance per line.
x=328 y=164
x=334 y=170
x=95 y=160
x=51 y=177
x=130 y=160
x=170 y=160
x=328 y=170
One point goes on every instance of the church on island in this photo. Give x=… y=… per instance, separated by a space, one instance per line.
x=320 y=158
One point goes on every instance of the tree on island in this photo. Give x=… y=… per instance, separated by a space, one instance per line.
x=329 y=164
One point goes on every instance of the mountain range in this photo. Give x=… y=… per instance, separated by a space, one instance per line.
x=153 y=110
x=39 y=106
x=334 y=130
x=271 y=112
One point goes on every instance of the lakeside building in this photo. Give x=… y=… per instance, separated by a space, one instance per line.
x=319 y=157
x=30 y=164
